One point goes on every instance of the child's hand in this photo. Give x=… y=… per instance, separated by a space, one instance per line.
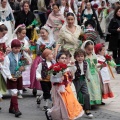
x=103 y=65
x=13 y=79
x=21 y=68
x=40 y=79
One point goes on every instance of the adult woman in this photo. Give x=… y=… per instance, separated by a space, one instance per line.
x=26 y=17
x=114 y=43
x=6 y=15
x=69 y=35
x=88 y=14
x=55 y=21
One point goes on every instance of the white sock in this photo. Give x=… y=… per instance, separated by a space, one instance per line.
x=41 y=97
x=46 y=102
x=21 y=91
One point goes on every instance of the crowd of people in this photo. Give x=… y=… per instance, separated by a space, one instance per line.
x=55 y=46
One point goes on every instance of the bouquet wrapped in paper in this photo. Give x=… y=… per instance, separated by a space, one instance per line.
x=57 y=71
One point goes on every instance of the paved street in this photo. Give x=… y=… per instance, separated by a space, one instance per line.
x=111 y=111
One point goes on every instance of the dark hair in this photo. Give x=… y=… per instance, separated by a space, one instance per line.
x=79 y=52
x=89 y=43
x=70 y=14
x=20 y=29
x=67 y=52
x=116 y=10
x=26 y=2
x=55 y=4
x=3 y=28
x=59 y=55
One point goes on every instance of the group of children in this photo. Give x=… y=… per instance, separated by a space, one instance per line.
x=84 y=79
x=89 y=76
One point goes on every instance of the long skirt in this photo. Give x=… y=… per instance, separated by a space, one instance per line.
x=33 y=82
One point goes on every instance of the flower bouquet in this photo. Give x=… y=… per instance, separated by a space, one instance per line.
x=57 y=70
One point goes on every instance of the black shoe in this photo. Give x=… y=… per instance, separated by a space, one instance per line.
x=0 y=108
x=24 y=90
x=45 y=108
x=38 y=100
x=89 y=115
x=12 y=111
x=102 y=103
x=47 y=116
x=18 y=113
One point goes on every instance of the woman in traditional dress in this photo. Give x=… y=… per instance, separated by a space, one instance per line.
x=45 y=41
x=65 y=105
x=6 y=16
x=69 y=34
x=55 y=21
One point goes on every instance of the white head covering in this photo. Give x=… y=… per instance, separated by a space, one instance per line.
x=84 y=44
x=7 y=9
x=113 y=1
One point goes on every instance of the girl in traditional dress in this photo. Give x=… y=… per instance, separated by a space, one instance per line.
x=69 y=34
x=46 y=40
x=65 y=105
x=94 y=84
x=6 y=16
x=20 y=34
x=104 y=72
x=55 y=21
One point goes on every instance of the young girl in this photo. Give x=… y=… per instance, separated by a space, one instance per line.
x=20 y=34
x=94 y=84
x=45 y=41
x=104 y=72
x=65 y=105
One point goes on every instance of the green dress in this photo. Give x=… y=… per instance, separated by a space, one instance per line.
x=94 y=84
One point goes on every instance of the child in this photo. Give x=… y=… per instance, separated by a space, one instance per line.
x=65 y=105
x=95 y=94
x=14 y=80
x=104 y=72
x=43 y=76
x=81 y=75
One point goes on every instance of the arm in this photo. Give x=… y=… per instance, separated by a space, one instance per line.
x=6 y=68
x=38 y=72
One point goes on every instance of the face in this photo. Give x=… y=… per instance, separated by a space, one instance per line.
x=118 y=13
x=62 y=59
x=88 y=5
x=55 y=9
x=80 y=58
x=89 y=49
x=70 y=20
x=5 y=32
x=44 y=34
x=26 y=7
x=102 y=52
x=50 y=57
x=1 y=34
x=63 y=2
x=103 y=3
x=16 y=49
x=4 y=3
x=22 y=34
x=68 y=59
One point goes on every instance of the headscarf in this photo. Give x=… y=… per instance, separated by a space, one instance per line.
x=84 y=44
x=7 y=10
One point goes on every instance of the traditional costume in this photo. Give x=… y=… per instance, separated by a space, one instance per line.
x=94 y=84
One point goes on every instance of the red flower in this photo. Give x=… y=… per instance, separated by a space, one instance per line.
x=108 y=58
x=62 y=21
x=56 y=68
x=62 y=65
